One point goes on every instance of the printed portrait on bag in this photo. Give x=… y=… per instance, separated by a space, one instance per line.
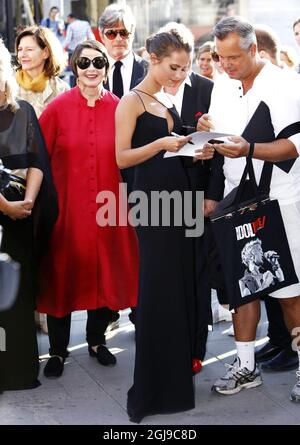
x=262 y=268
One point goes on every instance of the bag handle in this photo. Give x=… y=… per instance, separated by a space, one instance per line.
x=266 y=176
x=249 y=170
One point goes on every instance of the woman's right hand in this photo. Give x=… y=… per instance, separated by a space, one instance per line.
x=173 y=143
x=205 y=123
x=17 y=209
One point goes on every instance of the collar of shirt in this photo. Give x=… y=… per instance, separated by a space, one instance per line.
x=177 y=99
x=126 y=71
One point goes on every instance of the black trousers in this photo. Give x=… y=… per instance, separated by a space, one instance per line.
x=277 y=330
x=59 y=330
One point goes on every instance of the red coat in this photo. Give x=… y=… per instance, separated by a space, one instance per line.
x=88 y=266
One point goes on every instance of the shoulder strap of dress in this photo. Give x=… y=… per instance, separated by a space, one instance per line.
x=134 y=91
x=150 y=95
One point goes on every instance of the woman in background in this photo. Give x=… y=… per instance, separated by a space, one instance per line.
x=204 y=60
x=41 y=60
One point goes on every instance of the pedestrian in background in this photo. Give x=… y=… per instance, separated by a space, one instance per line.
x=54 y=23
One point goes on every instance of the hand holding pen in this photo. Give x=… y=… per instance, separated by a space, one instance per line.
x=174 y=142
x=178 y=136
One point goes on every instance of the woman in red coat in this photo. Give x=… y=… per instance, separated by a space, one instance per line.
x=89 y=266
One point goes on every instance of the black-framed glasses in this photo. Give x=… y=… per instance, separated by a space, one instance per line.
x=111 y=34
x=84 y=62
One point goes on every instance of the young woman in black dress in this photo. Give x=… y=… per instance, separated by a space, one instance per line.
x=165 y=323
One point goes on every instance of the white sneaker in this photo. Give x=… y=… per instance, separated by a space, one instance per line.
x=236 y=379
x=295 y=393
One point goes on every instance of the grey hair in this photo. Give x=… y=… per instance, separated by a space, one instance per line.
x=114 y=14
x=236 y=25
x=10 y=84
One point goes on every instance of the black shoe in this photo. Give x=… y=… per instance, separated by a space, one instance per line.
x=54 y=366
x=104 y=356
x=267 y=352
x=286 y=360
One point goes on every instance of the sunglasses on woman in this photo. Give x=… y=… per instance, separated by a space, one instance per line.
x=98 y=62
x=111 y=34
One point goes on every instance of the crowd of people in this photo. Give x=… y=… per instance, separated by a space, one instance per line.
x=114 y=126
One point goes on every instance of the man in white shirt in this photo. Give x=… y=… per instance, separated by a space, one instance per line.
x=252 y=81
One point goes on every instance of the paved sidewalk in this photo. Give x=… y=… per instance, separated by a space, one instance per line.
x=89 y=393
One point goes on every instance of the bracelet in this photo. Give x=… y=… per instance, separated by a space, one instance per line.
x=251 y=150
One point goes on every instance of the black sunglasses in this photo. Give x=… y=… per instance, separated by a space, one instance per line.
x=111 y=34
x=84 y=62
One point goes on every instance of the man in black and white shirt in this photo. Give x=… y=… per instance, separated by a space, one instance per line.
x=250 y=83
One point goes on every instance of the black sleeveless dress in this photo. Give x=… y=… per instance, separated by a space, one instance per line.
x=165 y=325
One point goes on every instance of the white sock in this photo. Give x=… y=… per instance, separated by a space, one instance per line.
x=245 y=352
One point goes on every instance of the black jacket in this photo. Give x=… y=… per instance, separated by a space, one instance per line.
x=196 y=101
x=139 y=71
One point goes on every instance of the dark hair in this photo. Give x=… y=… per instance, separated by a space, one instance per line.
x=72 y=16
x=91 y=44
x=296 y=23
x=163 y=43
x=267 y=41
x=54 y=7
x=45 y=38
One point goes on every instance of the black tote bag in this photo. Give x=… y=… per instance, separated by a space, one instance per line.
x=251 y=240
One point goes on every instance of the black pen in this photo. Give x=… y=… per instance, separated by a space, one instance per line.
x=178 y=136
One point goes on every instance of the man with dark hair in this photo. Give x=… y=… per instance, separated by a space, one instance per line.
x=54 y=23
x=267 y=43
